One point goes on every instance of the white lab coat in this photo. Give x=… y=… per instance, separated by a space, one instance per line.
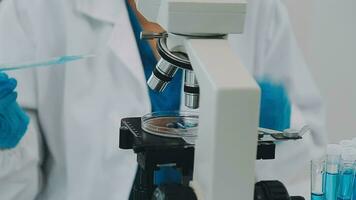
x=80 y=105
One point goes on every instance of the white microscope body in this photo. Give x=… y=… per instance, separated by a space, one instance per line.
x=225 y=150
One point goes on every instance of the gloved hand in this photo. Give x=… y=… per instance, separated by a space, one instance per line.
x=13 y=121
x=275 y=111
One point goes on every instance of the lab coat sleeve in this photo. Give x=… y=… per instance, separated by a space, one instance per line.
x=20 y=173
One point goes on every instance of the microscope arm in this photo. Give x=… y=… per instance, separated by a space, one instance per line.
x=229 y=114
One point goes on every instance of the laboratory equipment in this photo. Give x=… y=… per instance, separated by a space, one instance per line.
x=157 y=151
x=44 y=63
x=332 y=171
x=167 y=67
x=263 y=190
x=167 y=139
x=172 y=124
x=347 y=174
x=228 y=96
x=217 y=83
x=317 y=179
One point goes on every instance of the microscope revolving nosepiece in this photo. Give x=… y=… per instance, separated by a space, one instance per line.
x=172 y=124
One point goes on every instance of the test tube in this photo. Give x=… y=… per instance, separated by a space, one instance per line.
x=354 y=190
x=317 y=179
x=347 y=174
x=332 y=171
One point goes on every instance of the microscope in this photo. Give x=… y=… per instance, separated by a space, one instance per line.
x=214 y=151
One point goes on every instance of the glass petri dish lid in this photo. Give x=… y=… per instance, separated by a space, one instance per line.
x=178 y=124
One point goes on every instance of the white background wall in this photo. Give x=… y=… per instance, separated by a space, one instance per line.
x=326 y=31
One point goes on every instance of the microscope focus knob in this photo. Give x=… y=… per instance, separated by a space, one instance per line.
x=271 y=190
x=174 y=192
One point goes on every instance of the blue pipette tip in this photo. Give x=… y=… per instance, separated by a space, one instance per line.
x=65 y=59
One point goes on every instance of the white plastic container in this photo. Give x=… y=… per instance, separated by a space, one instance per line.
x=347 y=143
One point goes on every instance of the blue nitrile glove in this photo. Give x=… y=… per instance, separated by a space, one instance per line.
x=275 y=111
x=13 y=121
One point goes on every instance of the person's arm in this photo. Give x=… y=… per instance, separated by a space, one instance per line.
x=147 y=26
x=16 y=149
x=280 y=58
x=20 y=174
x=275 y=107
x=284 y=61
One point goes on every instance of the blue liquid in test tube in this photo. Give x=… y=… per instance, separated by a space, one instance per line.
x=332 y=171
x=317 y=196
x=347 y=174
x=317 y=179
x=331 y=185
x=354 y=188
x=354 y=192
x=346 y=183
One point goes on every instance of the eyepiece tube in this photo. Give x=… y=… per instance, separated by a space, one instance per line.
x=161 y=76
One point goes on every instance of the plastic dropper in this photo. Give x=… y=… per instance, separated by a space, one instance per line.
x=44 y=63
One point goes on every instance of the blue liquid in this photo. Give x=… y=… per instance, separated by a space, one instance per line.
x=182 y=125
x=346 y=185
x=354 y=192
x=65 y=59
x=317 y=197
x=331 y=185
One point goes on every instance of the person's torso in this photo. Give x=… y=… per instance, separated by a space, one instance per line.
x=80 y=105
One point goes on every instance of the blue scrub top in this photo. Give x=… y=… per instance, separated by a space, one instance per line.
x=170 y=99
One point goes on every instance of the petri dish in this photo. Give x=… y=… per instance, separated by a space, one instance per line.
x=172 y=124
